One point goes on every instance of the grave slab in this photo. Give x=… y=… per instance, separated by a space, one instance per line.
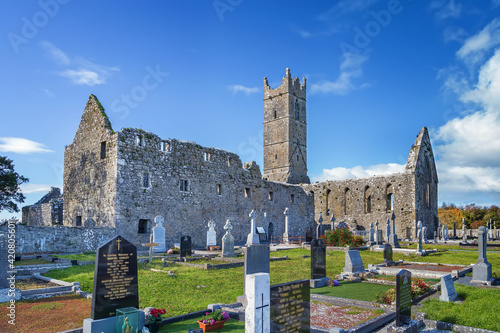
x=353 y=262
x=448 y=293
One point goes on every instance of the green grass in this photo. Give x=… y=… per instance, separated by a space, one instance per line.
x=479 y=309
x=354 y=290
x=230 y=326
x=79 y=256
x=31 y=262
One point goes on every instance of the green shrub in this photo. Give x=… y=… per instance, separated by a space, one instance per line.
x=342 y=237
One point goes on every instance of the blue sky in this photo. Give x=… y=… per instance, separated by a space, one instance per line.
x=377 y=72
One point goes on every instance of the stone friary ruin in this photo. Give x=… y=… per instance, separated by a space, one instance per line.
x=119 y=181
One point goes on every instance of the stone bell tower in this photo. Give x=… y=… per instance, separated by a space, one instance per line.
x=285 y=131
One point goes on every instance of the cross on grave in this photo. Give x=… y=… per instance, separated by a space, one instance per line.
x=150 y=245
x=118 y=241
x=261 y=308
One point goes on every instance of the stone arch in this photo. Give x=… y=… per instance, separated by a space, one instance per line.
x=327 y=201
x=368 y=200
x=389 y=198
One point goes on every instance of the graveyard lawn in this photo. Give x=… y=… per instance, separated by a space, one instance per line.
x=47 y=315
x=354 y=290
x=90 y=256
x=329 y=316
x=479 y=308
x=31 y=262
x=32 y=283
x=232 y=325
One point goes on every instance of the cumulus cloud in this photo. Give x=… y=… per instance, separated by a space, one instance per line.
x=475 y=46
x=34 y=188
x=350 y=69
x=21 y=146
x=236 y=88
x=469 y=146
x=79 y=70
x=358 y=172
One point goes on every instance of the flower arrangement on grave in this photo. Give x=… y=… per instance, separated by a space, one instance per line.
x=154 y=315
x=211 y=318
x=418 y=287
x=342 y=237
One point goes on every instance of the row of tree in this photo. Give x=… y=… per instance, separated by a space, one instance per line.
x=475 y=216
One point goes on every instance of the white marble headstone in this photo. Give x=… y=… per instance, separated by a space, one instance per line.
x=159 y=235
x=257 y=311
x=211 y=234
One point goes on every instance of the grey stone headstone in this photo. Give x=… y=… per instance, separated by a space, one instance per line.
x=448 y=293
x=211 y=234
x=228 y=241
x=403 y=297
x=318 y=259
x=353 y=262
x=4 y=263
x=481 y=271
x=256 y=259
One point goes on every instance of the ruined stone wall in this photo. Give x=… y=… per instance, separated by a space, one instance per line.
x=189 y=185
x=90 y=170
x=58 y=239
x=348 y=200
x=47 y=211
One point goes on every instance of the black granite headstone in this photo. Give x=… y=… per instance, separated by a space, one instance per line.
x=403 y=297
x=185 y=246
x=290 y=309
x=115 y=278
x=309 y=234
x=387 y=252
x=318 y=259
x=256 y=259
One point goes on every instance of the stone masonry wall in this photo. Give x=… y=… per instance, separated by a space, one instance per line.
x=189 y=185
x=90 y=177
x=47 y=211
x=57 y=239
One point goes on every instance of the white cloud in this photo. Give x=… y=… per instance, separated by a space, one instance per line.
x=444 y=10
x=486 y=39
x=83 y=77
x=350 y=69
x=345 y=7
x=48 y=92
x=236 y=88
x=79 y=70
x=358 y=172
x=454 y=34
x=55 y=54
x=34 y=188
x=21 y=146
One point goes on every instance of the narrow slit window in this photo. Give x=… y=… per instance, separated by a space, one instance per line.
x=248 y=193
x=145 y=180
x=78 y=221
x=103 y=150
x=219 y=189
x=165 y=146
x=292 y=198
x=139 y=141
x=184 y=185
x=271 y=195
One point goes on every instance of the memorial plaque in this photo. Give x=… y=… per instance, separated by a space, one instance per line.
x=403 y=297
x=185 y=246
x=318 y=259
x=256 y=259
x=115 y=278
x=290 y=311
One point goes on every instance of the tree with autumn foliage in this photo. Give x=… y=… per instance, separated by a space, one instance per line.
x=475 y=216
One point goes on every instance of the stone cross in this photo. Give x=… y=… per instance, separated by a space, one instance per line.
x=150 y=245
x=285 y=235
x=419 y=246
x=319 y=229
x=481 y=271
x=332 y=220
x=376 y=233
x=393 y=218
x=454 y=230
x=447 y=232
x=253 y=238
x=394 y=237
x=464 y=236
x=388 y=234
x=372 y=231
x=442 y=233
x=424 y=236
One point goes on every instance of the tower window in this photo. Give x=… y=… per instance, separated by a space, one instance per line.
x=297 y=158
x=145 y=180
x=184 y=185
x=138 y=141
x=143 y=226
x=297 y=109
x=228 y=161
x=292 y=198
x=248 y=193
x=219 y=189
x=271 y=194
x=78 y=221
x=207 y=157
x=275 y=114
x=165 y=146
x=275 y=156
x=103 y=150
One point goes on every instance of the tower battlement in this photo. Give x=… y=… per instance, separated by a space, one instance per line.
x=288 y=85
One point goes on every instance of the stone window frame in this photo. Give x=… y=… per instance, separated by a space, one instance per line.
x=367 y=200
x=165 y=146
x=146 y=180
x=184 y=185
x=207 y=156
x=139 y=140
x=271 y=196
x=275 y=114
x=219 y=189
x=327 y=201
x=292 y=198
x=389 y=198
x=78 y=220
x=248 y=192
x=103 y=150
x=142 y=226
x=229 y=161
x=297 y=109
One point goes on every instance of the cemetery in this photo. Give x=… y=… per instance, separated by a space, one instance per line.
x=310 y=287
